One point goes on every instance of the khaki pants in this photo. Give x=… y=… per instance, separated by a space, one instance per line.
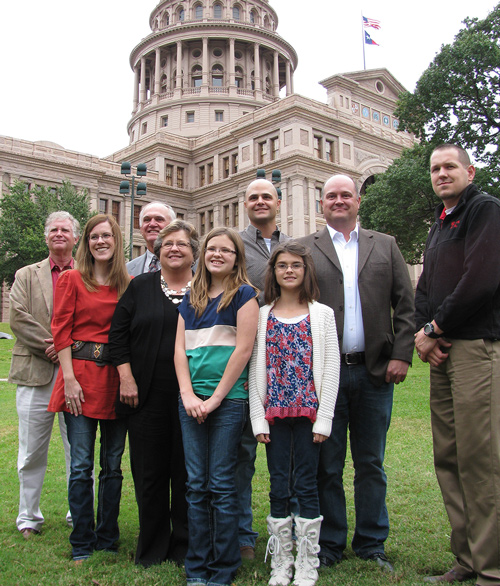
x=465 y=415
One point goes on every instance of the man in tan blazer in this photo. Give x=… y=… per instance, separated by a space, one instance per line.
x=364 y=279
x=34 y=364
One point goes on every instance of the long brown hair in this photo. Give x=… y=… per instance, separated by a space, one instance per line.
x=118 y=276
x=309 y=290
x=203 y=279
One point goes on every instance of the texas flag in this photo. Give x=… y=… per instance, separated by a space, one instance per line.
x=369 y=40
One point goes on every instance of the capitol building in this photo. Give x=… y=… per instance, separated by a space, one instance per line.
x=213 y=101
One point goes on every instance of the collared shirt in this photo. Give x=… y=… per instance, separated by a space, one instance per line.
x=353 y=339
x=56 y=272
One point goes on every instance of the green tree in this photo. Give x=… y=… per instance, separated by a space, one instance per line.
x=457 y=98
x=22 y=221
x=401 y=202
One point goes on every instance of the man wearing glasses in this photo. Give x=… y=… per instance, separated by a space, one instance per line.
x=364 y=279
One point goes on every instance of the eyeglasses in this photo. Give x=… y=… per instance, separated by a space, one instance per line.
x=224 y=251
x=295 y=266
x=180 y=245
x=105 y=237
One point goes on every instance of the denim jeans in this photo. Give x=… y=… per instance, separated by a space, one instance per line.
x=245 y=469
x=365 y=410
x=87 y=535
x=292 y=460
x=211 y=451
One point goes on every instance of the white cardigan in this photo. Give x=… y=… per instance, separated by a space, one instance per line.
x=326 y=368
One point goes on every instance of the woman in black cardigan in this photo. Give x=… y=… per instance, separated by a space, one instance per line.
x=142 y=340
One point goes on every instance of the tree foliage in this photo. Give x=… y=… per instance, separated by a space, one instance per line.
x=457 y=98
x=22 y=221
x=401 y=202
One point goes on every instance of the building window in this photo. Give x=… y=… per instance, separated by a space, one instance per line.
x=137 y=251
x=196 y=76
x=115 y=210
x=217 y=10
x=198 y=12
x=180 y=177
x=144 y=127
x=234 y=163
x=203 y=227
x=169 y=174
x=219 y=116
x=225 y=167
x=210 y=172
x=189 y=117
x=164 y=121
x=225 y=212
x=181 y=15
x=137 y=212
x=180 y=216
x=236 y=214
x=317 y=147
x=329 y=151
x=252 y=16
x=210 y=219
x=103 y=206
x=318 y=200
x=261 y=152
x=236 y=12
x=202 y=175
x=239 y=76
x=275 y=148
x=217 y=75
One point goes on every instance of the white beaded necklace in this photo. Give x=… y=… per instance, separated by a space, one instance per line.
x=174 y=296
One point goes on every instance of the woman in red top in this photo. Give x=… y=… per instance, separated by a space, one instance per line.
x=87 y=385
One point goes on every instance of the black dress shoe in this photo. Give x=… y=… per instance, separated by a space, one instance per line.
x=382 y=561
x=328 y=562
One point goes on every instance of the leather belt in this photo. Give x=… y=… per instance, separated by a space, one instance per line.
x=353 y=358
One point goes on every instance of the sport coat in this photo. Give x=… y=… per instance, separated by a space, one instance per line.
x=31 y=301
x=136 y=266
x=385 y=291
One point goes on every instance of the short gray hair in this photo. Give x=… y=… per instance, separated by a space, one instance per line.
x=54 y=216
x=168 y=208
x=175 y=226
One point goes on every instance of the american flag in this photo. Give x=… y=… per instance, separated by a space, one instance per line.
x=371 y=22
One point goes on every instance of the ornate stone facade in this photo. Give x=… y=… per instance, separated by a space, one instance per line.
x=204 y=128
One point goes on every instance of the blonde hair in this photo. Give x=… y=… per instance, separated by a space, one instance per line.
x=203 y=279
x=118 y=276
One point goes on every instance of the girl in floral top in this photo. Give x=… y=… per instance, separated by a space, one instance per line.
x=294 y=374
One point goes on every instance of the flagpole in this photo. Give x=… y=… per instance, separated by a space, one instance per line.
x=363 y=41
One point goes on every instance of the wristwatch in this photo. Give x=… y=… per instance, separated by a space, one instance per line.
x=429 y=331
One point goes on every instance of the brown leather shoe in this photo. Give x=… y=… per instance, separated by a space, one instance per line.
x=27 y=532
x=451 y=576
x=247 y=552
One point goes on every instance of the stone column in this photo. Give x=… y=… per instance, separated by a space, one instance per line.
x=258 y=87
x=136 y=88
x=157 y=70
x=288 y=79
x=276 y=76
x=143 y=80
x=204 y=63
x=232 y=80
x=178 y=79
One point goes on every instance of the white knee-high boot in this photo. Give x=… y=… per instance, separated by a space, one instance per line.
x=307 y=562
x=279 y=546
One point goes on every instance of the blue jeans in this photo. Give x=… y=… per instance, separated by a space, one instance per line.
x=365 y=410
x=245 y=469
x=292 y=460
x=211 y=452
x=86 y=535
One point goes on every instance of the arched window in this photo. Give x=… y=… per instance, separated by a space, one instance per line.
x=267 y=22
x=217 y=75
x=196 y=76
x=268 y=85
x=238 y=76
x=252 y=78
x=180 y=15
x=198 y=11
x=236 y=12
x=217 y=10
x=253 y=17
x=165 y=20
x=163 y=83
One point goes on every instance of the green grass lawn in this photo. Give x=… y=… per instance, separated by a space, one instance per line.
x=418 y=543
